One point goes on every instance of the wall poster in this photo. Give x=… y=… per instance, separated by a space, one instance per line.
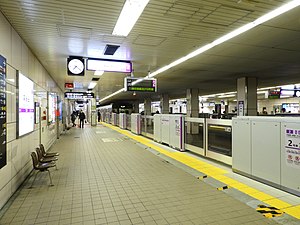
x=3 y=160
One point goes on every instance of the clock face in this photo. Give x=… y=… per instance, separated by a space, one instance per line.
x=76 y=66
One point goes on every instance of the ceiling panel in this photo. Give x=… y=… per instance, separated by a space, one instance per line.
x=166 y=31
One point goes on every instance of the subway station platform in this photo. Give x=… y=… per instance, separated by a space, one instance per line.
x=110 y=176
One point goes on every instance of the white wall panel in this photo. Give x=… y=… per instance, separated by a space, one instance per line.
x=13 y=111
x=5 y=172
x=5 y=194
x=25 y=60
x=25 y=149
x=8 y=104
x=31 y=62
x=16 y=61
x=11 y=132
x=10 y=75
x=19 y=163
x=16 y=160
x=5 y=44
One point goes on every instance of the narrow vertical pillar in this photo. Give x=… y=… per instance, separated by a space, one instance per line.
x=147 y=106
x=164 y=103
x=93 y=114
x=192 y=97
x=192 y=109
x=247 y=96
x=135 y=107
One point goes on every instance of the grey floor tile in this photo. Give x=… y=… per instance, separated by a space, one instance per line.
x=121 y=183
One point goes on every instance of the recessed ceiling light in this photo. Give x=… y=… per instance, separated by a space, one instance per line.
x=99 y=73
x=92 y=85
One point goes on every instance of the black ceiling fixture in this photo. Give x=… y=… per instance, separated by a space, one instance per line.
x=110 y=49
x=95 y=79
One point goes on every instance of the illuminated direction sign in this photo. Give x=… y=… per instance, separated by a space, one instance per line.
x=140 y=84
x=78 y=95
x=109 y=65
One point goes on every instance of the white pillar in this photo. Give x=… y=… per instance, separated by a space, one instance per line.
x=164 y=103
x=147 y=106
x=192 y=107
x=247 y=96
x=135 y=107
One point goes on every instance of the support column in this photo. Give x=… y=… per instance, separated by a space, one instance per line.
x=93 y=114
x=147 y=107
x=164 y=104
x=192 y=109
x=247 y=96
x=192 y=97
x=135 y=107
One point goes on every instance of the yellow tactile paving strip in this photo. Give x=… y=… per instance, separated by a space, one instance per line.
x=216 y=173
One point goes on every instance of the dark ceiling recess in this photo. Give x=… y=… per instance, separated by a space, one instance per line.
x=110 y=49
x=95 y=79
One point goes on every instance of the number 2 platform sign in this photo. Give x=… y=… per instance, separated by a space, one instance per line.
x=292 y=147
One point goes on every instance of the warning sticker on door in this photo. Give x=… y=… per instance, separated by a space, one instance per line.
x=292 y=147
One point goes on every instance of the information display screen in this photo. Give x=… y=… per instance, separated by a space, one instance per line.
x=140 y=84
x=26 y=105
x=78 y=95
x=109 y=65
x=274 y=94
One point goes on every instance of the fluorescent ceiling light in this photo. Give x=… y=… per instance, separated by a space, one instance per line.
x=280 y=10
x=130 y=13
x=92 y=85
x=111 y=95
x=226 y=96
x=99 y=73
x=208 y=96
x=266 y=88
x=262 y=92
x=288 y=87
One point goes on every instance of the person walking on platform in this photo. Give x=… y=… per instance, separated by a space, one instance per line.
x=99 y=116
x=81 y=118
x=73 y=118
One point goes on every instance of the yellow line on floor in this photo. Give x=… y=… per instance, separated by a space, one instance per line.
x=214 y=172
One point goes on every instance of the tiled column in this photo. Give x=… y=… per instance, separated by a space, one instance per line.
x=192 y=109
x=147 y=106
x=164 y=103
x=93 y=116
x=247 y=96
x=135 y=107
x=192 y=97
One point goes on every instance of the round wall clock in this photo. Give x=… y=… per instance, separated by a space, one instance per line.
x=75 y=66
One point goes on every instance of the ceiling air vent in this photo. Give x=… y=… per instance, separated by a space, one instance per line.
x=110 y=49
x=95 y=79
